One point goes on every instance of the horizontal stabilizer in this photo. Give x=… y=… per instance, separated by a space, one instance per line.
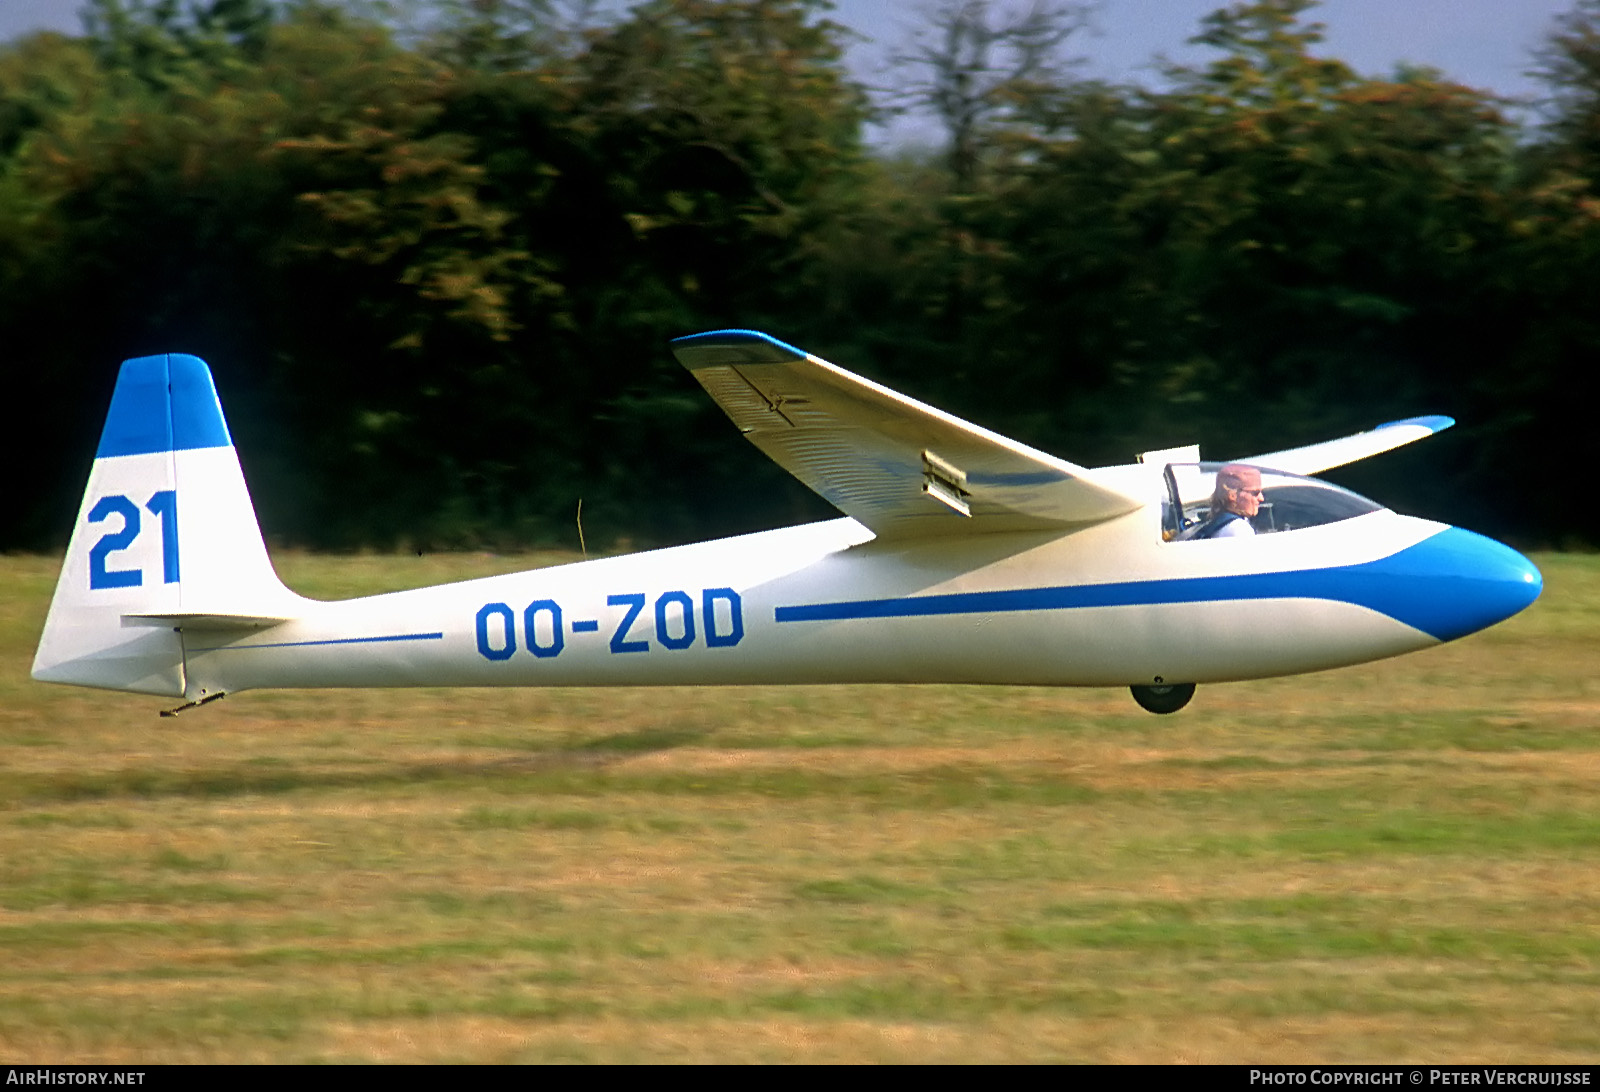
x=209 y=622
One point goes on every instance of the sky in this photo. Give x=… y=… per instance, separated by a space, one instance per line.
x=1482 y=43
x=1486 y=44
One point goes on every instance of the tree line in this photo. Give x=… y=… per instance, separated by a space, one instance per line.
x=435 y=260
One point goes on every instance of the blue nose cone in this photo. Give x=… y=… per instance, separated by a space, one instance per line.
x=1457 y=583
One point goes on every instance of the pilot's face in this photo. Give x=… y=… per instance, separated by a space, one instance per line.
x=1242 y=487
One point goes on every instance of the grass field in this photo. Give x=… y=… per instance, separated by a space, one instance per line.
x=1398 y=862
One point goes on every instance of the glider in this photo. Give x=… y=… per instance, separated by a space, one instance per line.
x=962 y=557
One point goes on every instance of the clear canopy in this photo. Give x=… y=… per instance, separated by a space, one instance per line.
x=1213 y=500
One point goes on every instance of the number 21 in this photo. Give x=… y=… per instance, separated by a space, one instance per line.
x=163 y=504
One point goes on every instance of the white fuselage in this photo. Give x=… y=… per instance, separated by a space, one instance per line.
x=1111 y=604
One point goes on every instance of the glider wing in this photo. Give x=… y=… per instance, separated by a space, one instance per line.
x=896 y=465
x=1315 y=458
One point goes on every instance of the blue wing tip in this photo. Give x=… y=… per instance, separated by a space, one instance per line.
x=734 y=346
x=1432 y=422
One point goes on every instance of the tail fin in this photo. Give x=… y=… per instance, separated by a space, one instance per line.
x=166 y=539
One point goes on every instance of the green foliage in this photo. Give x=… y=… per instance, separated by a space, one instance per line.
x=1272 y=250
x=435 y=263
x=164 y=44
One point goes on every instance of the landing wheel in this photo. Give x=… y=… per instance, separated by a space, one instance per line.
x=1164 y=697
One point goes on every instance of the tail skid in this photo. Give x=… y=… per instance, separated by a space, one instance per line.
x=166 y=541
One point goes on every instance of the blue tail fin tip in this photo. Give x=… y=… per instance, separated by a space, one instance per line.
x=163 y=403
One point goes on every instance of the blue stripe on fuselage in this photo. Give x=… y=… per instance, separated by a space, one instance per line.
x=386 y=639
x=1451 y=584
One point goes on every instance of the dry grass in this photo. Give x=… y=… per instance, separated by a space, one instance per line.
x=1390 y=863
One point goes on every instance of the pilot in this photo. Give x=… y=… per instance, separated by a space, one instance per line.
x=1234 y=503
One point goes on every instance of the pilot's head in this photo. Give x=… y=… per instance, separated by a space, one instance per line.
x=1238 y=490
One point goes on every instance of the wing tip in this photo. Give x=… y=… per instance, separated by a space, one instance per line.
x=724 y=347
x=1435 y=422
